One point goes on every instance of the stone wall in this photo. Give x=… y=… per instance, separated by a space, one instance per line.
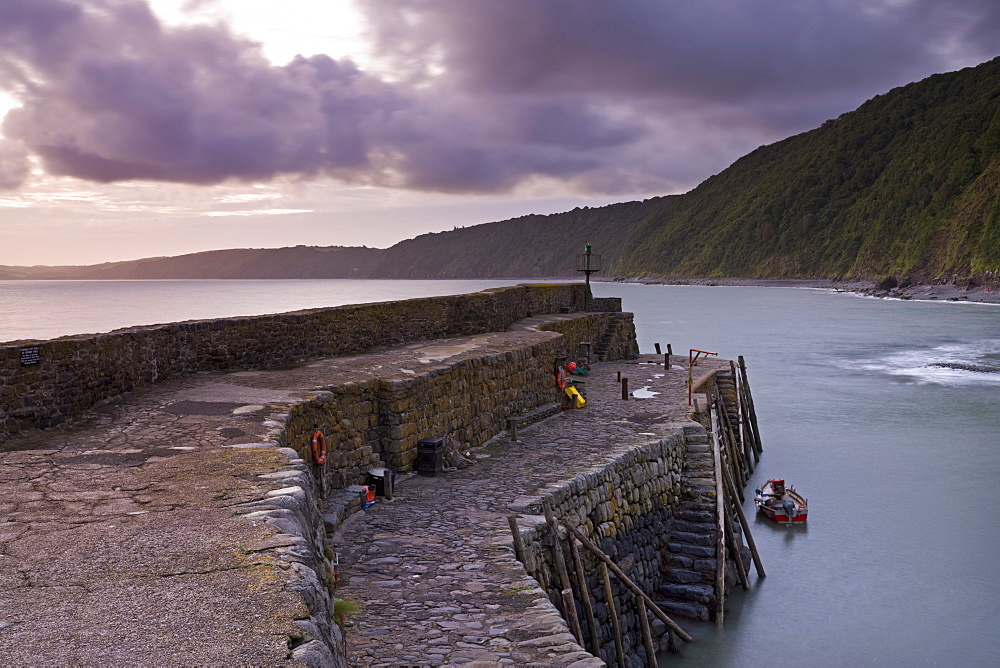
x=44 y=383
x=380 y=420
x=294 y=512
x=626 y=506
x=466 y=401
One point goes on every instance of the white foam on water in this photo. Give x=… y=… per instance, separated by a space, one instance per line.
x=925 y=365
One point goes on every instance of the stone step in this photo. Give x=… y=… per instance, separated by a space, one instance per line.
x=702 y=485
x=676 y=560
x=703 y=504
x=700 y=516
x=688 y=538
x=698 y=551
x=693 y=527
x=698 y=593
x=684 y=576
x=693 y=611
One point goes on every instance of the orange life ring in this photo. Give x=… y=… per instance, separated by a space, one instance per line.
x=319 y=447
x=562 y=379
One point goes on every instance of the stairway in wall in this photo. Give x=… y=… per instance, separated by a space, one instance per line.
x=604 y=345
x=688 y=588
x=727 y=388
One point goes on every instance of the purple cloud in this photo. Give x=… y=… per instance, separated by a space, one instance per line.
x=629 y=96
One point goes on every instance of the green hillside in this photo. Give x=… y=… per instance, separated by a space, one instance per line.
x=907 y=185
x=296 y=262
x=522 y=247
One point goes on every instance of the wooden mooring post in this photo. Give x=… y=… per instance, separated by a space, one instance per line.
x=609 y=596
x=734 y=547
x=744 y=428
x=569 y=604
x=720 y=525
x=728 y=439
x=515 y=531
x=633 y=587
x=588 y=609
x=647 y=634
x=758 y=448
x=731 y=493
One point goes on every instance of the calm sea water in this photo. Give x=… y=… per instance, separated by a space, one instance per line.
x=900 y=459
x=48 y=309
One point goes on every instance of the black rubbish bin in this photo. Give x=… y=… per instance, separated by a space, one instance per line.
x=430 y=456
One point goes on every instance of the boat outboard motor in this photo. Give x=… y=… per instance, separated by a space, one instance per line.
x=789 y=507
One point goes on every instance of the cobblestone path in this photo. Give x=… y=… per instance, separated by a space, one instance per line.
x=434 y=567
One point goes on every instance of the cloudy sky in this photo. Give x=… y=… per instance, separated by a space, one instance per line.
x=135 y=128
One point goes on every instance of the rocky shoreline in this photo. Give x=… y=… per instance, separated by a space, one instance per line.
x=984 y=294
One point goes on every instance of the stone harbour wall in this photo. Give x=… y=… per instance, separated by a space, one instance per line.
x=44 y=383
x=467 y=401
x=626 y=507
x=380 y=421
x=373 y=421
x=294 y=512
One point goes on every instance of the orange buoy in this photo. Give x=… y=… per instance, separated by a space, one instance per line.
x=319 y=447
x=562 y=379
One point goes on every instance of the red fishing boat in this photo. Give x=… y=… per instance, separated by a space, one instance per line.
x=780 y=503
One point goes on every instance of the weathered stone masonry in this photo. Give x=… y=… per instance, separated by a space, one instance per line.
x=624 y=504
x=469 y=400
x=74 y=373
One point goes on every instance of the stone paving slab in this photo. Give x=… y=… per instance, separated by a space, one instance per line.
x=434 y=567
